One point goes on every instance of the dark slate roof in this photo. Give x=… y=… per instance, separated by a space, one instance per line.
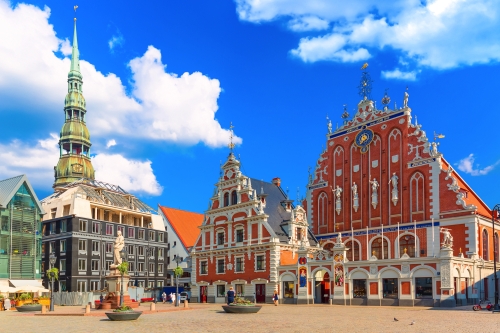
x=277 y=213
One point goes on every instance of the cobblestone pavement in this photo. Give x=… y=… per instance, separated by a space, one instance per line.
x=283 y=318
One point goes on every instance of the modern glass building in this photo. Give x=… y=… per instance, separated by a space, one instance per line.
x=20 y=231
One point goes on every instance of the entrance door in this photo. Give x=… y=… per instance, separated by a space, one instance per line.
x=467 y=290
x=455 y=283
x=325 y=289
x=486 y=293
x=260 y=293
x=203 y=294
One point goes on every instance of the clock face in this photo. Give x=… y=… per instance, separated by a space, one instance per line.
x=77 y=168
x=363 y=139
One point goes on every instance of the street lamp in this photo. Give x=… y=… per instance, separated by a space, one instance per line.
x=52 y=260
x=495 y=213
x=123 y=256
x=177 y=260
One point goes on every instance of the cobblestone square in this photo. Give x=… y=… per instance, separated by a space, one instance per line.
x=283 y=318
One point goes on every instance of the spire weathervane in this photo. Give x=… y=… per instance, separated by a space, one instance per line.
x=365 y=85
x=231 y=144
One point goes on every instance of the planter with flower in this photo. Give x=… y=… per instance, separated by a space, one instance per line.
x=44 y=300
x=241 y=305
x=24 y=298
x=123 y=312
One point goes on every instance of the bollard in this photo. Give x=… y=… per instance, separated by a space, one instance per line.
x=90 y=304
x=331 y=301
x=87 y=308
x=186 y=304
x=152 y=307
x=44 y=309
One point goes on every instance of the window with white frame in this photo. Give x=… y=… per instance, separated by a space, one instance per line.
x=95 y=246
x=151 y=284
x=62 y=285
x=151 y=235
x=239 y=235
x=159 y=283
x=161 y=237
x=82 y=264
x=95 y=265
x=141 y=234
x=52 y=228
x=52 y=247
x=62 y=265
x=82 y=245
x=203 y=267
x=239 y=264
x=131 y=249
x=108 y=264
x=160 y=268
x=62 y=245
x=83 y=225
x=220 y=237
x=260 y=262
x=151 y=253
x=131 y=267
x=151 y=267
x=94 y=285
x=64 y=226
x=131 y=232
x=109 y=229
x=81 y=286
x=96 y=227
x=122 y=229
x=220 y=266
x=140 y=266
x=221 y=290
x=140 y=283
x=160 y=252
x=140 y=250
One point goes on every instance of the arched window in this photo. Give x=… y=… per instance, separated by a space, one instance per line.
x=485 y=245
x=234 y=198
x=226 y=199
x=407 y=242
x=496 y=246
x=322 y=209
x=328 y=247
x=353 y=252
x=377 y=248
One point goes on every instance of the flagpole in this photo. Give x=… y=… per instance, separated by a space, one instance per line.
x=398 y=242
x=352 y=242
x=415 y=231
x=383 y=242
x=367 y=249
x=432 y=228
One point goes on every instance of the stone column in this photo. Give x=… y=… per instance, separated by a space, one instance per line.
x=447 y=286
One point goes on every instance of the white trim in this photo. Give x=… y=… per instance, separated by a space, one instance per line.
x=255 y=261
x=388 y=246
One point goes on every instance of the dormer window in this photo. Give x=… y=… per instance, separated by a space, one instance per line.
x=298 y=232
x=226 y=199
x=234 y=198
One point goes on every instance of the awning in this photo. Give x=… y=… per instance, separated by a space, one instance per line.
x=4 y=289
x=21 y=283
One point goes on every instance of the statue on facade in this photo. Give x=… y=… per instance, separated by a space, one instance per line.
x=405 y=100
x=329 y=126
x=119 y=244
x=338 y=202
x=375 y=186
x=447 y=239
x=394 y=192
x=434 y=152
x=355 y=199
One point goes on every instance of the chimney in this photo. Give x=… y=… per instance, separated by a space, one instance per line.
x=277 y=181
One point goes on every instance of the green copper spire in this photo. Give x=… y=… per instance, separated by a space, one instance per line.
x=74 y=143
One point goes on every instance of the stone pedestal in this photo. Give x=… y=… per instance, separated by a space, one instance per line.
x=447 y=285
x=112 y=299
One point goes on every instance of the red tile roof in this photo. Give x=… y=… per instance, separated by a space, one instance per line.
x=184 y=223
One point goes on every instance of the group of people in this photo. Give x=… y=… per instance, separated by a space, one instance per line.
x=231 y=294
x=171 y=297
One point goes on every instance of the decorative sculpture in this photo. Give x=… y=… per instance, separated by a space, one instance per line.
x=447 y=239
x=375 y=186
x=338 y=202
x=119 y=244
x=355 y=199
x=394 y=192
x=405 y=100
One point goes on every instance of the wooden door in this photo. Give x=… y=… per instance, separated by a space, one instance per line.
x=260 y=293
x=203 y=294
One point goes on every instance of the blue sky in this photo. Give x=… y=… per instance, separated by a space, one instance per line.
x=163 y=81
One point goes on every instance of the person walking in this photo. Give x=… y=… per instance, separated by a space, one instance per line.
x=164 y=297
x=275 y=297
x=172 y=297
x=230 y=296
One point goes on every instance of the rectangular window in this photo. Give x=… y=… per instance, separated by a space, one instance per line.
x=151 y=284
x=260 y=263
x=108 y=264
x=83 y=225
x=131 y=267
x=82 y=264
x=81 y=286
x=109 y=229
x=151 y=235
x=160 y=252
x=62 y=265
x=66 y=210
x=82 y=245
x=43 y=248
x=140 y=284
x=52 y=228
x=109 y=247
x=95 y=264
x=62 y=285
x=239 y=265
x=95 y=246
x=220 y=238
x=53 y=212
x=159 y=284
x=141 y=233
x=239 y=290
x=390 y=288
x=239 y=235
x=221 y=290
x=96 y=227
x=161 y=237
x=52 y=247
x=220 y=266
x=122 y=229
x=423 y=287
x=64 y=226
x=203 y=267
x=131 y=233
x=62 y=245
x=151 y=267
x=94 y=285
x=140 y=250
x=151 y=253
x=288 y=289
x=298 y=232
x=160 y=268
x=359 y=288
x=140 y=266
x=131 y=249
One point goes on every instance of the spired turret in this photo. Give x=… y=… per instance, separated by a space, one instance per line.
x=74 y=142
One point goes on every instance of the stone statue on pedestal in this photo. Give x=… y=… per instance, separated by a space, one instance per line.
x=119 y=244
x=448 y=238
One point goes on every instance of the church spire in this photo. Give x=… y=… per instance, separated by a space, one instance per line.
x=75 y=56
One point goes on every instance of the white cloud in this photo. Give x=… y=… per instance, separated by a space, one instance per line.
x=436 y=33
x=163 y=106
x=307 y=23
x=111 y=143
x=400 y=75
x=116 y=40
x=132 y=175
x=37 y=160
x=467 y=165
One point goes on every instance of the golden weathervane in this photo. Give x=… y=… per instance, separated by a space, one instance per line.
x=231 y=144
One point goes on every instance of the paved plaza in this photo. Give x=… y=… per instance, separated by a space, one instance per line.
x=283 y=318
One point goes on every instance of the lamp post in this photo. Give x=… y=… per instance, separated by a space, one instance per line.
x=177 y=261
x=123 y=256
x=495 y=214
x=52 y=260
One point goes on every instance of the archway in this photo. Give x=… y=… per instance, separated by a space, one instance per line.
x=321 y=287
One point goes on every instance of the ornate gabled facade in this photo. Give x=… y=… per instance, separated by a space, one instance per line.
x=382 y=189
x=250 y=228
x=74 y=143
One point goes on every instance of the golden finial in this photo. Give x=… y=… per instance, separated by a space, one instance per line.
x=75 y=7
x=231 y=144
x=364 y=66
x=373 y=252
x=405 y=250
x=460 y=250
